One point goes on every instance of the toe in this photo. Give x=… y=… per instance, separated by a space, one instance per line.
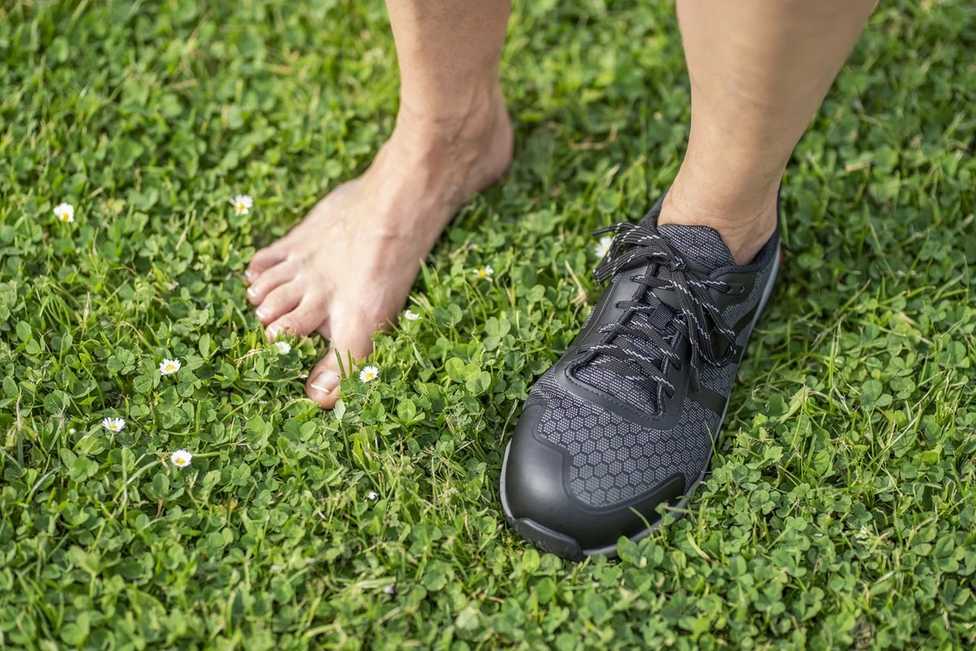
x=323 y=382
x=279 y=301
x=265 y=259
x=269 y=281
x=350 y=345
x=307 y=317
x=566 y=502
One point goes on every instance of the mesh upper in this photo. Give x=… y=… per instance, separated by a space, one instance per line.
x=720 y=379
x=700 y=244
x=614 y=459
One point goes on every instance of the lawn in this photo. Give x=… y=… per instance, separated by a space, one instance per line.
x=841 y=508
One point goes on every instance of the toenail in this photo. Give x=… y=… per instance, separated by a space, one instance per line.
x=249 y=275
x=262 y=312
x=252 y=292
x=326 y=382
x=274 y=331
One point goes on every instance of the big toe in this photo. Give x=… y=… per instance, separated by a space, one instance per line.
x=347 y=350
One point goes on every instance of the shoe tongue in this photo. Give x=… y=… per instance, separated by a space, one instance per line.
x=701 y=245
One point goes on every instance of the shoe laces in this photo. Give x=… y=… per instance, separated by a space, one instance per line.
x=697 y=317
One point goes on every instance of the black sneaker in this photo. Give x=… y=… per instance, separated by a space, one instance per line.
x=627 y=418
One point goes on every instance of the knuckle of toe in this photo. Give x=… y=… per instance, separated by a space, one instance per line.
x=280 y=325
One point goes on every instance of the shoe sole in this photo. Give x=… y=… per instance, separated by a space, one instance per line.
x=549 y=540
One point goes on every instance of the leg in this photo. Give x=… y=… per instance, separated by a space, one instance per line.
x=759 y=71
x=595 y=458
x=346 y=269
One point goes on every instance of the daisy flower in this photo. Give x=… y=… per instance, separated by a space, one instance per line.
x=368 y=374
x=242 y=204
x=484 y=273
x=181 y=458
x=113 y=424
x=410 y=315
x=65 y=212
x=283 y=347
x=601 y=247
x=390 y=589
x=169 y=366
x=372 y=496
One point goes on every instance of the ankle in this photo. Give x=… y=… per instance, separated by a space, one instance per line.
x=454 y=153
x=745 y=220
x=470 y=116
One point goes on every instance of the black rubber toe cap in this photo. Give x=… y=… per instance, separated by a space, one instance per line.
x=540 y=507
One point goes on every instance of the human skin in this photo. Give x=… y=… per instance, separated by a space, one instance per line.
x=759 y=70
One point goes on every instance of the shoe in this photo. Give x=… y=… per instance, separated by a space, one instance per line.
x=626 y=420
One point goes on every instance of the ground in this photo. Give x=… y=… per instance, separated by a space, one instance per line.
x=840 y=509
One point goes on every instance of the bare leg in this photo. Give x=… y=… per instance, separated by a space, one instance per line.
x=759 y=70
x=346 y=269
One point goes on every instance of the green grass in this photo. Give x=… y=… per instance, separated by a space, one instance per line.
x=840 y=509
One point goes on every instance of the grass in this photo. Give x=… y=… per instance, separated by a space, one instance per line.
x=840 y=509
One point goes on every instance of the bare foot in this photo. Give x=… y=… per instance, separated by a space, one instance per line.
x=345 y=271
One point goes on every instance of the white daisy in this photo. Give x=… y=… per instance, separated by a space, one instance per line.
x=368 y=374
x=113 y=424
x=242 y=204
x=390 y=589
x=410 y=315
x=601 y=247
x=484 y=273
x=181 y=458
x=372 y=496
x=65 y=212
x=283 y=347
x=169 y=366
